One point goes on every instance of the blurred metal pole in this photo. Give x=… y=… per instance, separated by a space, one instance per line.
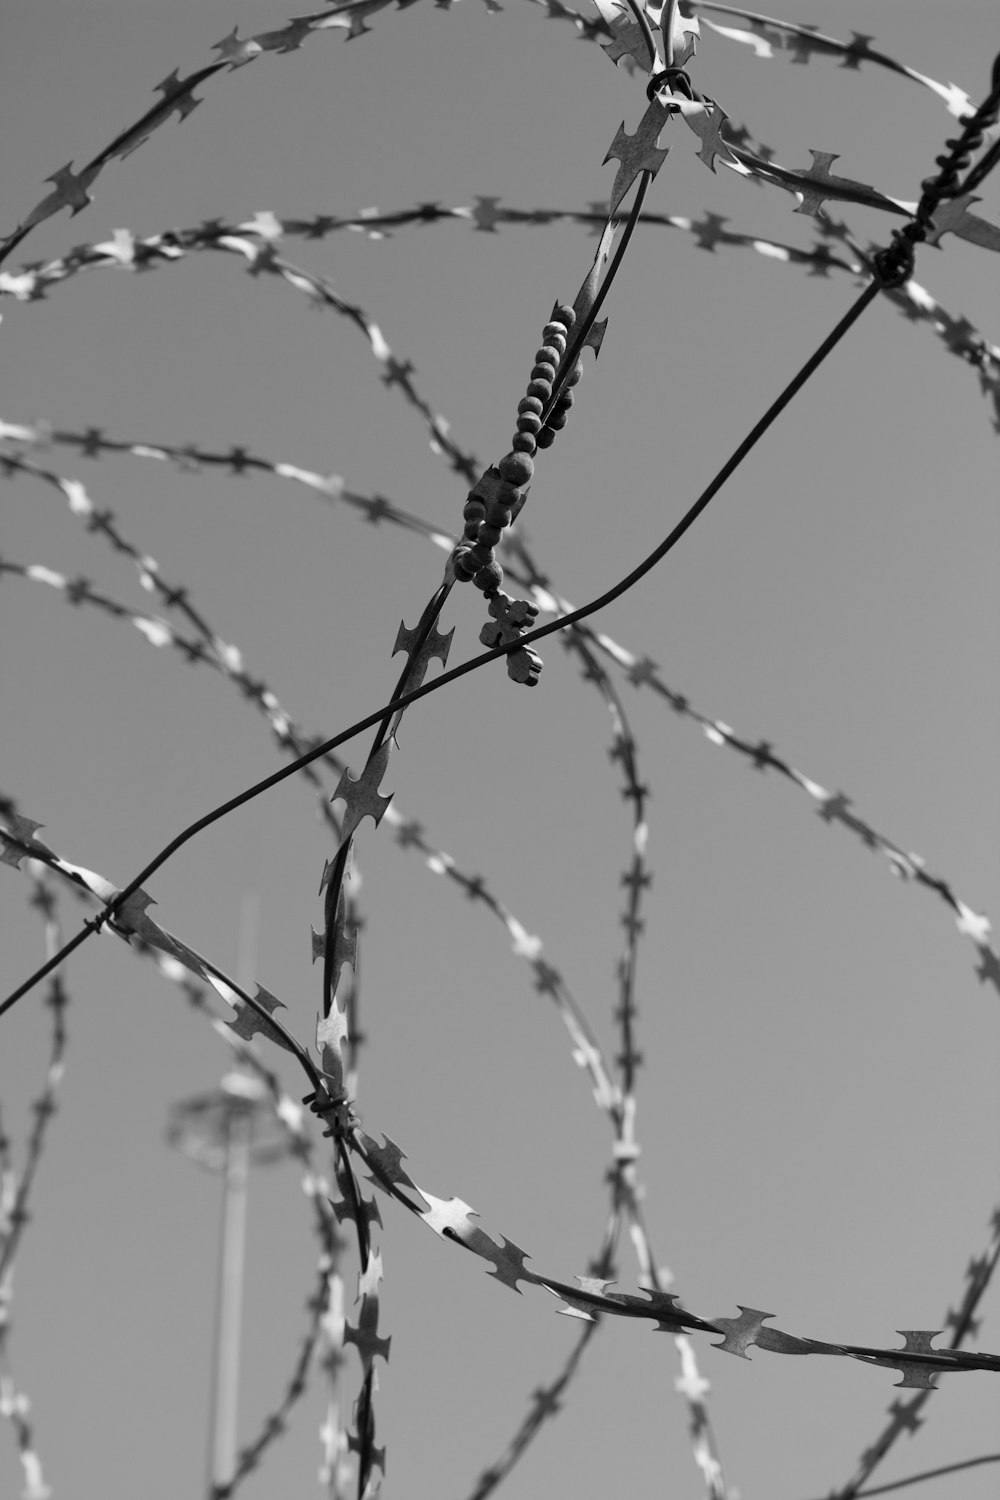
x=229 y=1130
x=229 y=1296
x=237 y=1132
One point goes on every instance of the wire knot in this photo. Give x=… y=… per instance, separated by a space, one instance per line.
x=670 y=76
x=333 y=1109
x=894 y=264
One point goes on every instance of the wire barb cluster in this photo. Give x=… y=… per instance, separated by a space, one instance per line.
x=894 y=265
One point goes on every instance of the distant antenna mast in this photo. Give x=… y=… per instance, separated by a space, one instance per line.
x=228 y=1131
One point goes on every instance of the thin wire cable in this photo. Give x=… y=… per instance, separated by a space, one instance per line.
x=620 y=588
x=899 y=1484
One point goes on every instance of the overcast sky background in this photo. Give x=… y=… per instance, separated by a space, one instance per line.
x=818 y=1104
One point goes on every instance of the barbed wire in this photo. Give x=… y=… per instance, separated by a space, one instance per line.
x=545 y=1398
x=627 y=1191
x=978 y=1280
x=586 y=1050
x=768 y=36
x=255 y=244
x=916 y=303
x=228 y=659
x=70 y=189
x=918 y=1361
x=409 y=833
x=904 y=1416
x=640 y=670
x=291 y=1118
x=364 y=793
x=15 y=1189
x=15 y=1406
x=326 y=1306
x=316 y=1189
x=15 y=1195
